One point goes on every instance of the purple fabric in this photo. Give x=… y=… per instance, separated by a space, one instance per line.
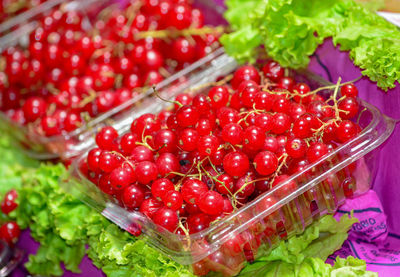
x=369 y=239
x=388 y=156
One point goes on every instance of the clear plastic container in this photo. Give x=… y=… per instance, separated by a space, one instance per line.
x=322 y=187
x=70 y=144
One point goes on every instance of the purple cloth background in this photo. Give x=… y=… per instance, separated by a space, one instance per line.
x=388 y=159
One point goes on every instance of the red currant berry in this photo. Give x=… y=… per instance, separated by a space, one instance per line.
x=146 y=172
x=346 y=131
x=244 y=73
x=264 y=121
x=150 y=206
x=201 y=103
x=245 y=186
x=302 y=89
x=232 y=133
x=265 y=163
x=296 y=147
x=296 y=110
x=286 y=83
x=165 y=141
x=207 y=145
x=187 y=116
x=254 y=138
x=10 y=232
x=141 y=153
x=173 y=200
x=166 y=218
x=145 y=125
x=167 y=163
x=192 y=189
x=121 y=177
x=236 y=164
x=204 y=126
x=108 y=161
x=281 y=123
x=93 y=159
x=348 y=108
x=183 y=51
x=188 y=139
x=105 y=139
x=8 y=204
x=285 y=189
x=219 y=96
x=227 y=115
x=281 y=104
x=198 y=222
x=128 y=143
x=273 y=71
x=271 y=144
x=211 y=203
x=160 y=187
x=34 y=108
x=349 y=90
x=248 y=96
x=132 y=197
x=316 y=151
x=225 y=184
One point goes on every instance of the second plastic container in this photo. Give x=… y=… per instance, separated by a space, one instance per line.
x=321 y=188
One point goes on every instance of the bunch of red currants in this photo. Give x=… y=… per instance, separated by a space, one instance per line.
x=189 y=166
x=69 y=73
x=9 y=231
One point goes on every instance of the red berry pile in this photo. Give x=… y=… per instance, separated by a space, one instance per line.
x=9 y=231
x=190 y=166
x=69 y=74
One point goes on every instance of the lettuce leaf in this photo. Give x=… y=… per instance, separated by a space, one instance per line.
x=349 y=267
x=291 y=31
x=319 y=240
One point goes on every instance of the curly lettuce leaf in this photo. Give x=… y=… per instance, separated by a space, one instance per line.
x=319 y=240
x=291 y=31
x=350 y=267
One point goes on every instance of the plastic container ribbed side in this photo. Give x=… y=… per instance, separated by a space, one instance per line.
x=70 y=144
x=273 y=216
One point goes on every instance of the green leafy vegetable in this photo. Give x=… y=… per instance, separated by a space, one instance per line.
x=350 y=267
x=291 y=31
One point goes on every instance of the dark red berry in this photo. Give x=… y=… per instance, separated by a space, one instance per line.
x=8 y=204
x=132 y=197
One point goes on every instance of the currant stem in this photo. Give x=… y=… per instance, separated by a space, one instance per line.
x=171 y=33
x=165 y=100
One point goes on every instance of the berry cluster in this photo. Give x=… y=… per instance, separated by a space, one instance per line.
x=9 y=231
x=188 y=167
x=68 y=74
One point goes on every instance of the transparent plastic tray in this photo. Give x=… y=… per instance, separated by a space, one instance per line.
x=322 y=187
x=70 y=144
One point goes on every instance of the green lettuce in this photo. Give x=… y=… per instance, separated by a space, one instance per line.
x=304 y=255
x=350 y=267
x=291 y=31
